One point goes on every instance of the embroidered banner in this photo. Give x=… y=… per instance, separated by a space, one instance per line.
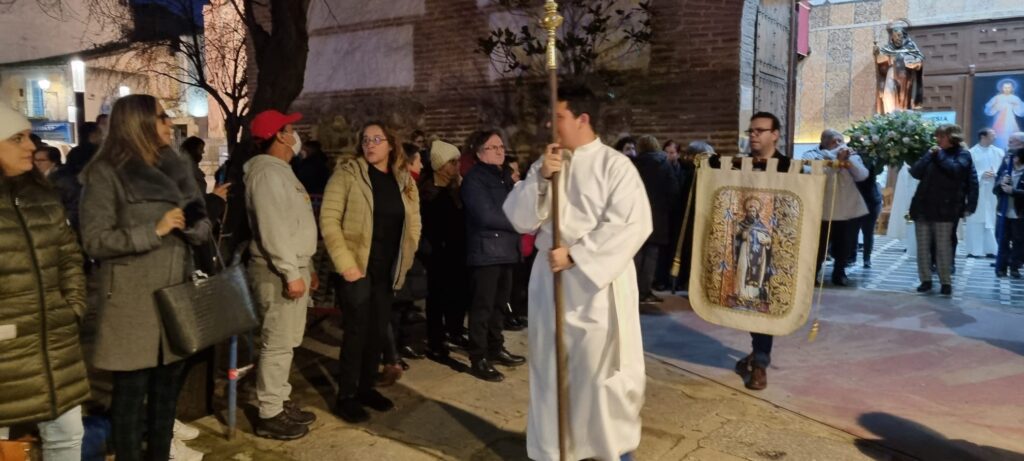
x=755 y=245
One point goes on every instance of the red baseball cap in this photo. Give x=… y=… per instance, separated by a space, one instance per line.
x=267 y=123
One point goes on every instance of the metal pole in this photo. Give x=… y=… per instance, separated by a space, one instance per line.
x=552 y=21
x=232 y=386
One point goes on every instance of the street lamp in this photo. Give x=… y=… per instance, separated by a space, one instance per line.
x=78 y=85
x=43 y=85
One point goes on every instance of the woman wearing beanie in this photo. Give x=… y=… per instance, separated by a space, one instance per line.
x=370 y=220
x=444 y=228
x=947 y=193
x=42 y=294
x=141 y=213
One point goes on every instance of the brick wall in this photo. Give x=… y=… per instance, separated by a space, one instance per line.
x=689 y=91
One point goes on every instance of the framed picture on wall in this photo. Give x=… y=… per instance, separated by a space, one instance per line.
x=997 y=103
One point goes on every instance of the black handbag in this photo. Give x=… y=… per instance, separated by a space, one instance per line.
x=207 y=309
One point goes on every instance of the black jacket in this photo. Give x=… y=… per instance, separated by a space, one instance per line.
x=948 y=188
x=1018 y=190
x=490 y=237
x=662 y=187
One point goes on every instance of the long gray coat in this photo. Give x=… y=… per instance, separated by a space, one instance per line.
x=120 y=208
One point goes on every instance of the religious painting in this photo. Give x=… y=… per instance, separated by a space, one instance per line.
x=997 y=104
x=755 y=244
x=751 y=243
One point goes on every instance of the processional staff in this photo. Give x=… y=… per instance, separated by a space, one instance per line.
x=551 y=22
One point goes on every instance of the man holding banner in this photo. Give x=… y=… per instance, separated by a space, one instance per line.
x=764 y=138
x=605 y=219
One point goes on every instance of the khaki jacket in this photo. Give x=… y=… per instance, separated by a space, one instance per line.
x=346 y=219
x=42 y=297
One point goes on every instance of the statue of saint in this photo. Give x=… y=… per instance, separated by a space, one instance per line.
x=752 y=251
x=900 y=64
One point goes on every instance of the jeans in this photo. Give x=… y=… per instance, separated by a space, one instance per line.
x=365 y=315
x=866 y=226
x=143 y=407
x=62 y=437
x=284 y=324
x=1011 y=245
x=762 y=347
x=492 y=286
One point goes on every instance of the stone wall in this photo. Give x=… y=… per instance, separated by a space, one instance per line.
x=414 y=64
x=836 y=83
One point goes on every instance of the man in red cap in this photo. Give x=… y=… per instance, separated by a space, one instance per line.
x=283 y=243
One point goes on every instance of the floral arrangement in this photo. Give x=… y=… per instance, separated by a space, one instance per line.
x=892 y=139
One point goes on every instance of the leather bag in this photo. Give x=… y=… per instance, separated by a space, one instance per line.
x=207 y=309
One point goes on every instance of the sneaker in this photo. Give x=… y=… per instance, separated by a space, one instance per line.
x=280 y=427
x=946 y=290
x=297 y=414
x=182 y=452
x=184 y=432
x=375 y=400
x=350 y=410
x=924 y=287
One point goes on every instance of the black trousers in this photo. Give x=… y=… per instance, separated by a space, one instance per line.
x=492 y=286
x=447 y=300
x=646 y=261
x=365 y=315
x=142 y=408
x=843 y=243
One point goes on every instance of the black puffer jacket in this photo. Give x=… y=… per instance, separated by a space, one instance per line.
x=948 y=188
x=42 y=296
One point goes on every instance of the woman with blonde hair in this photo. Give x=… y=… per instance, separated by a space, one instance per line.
x=370 y=220
x=141 y=213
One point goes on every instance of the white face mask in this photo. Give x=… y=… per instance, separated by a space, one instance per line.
x=297 y=145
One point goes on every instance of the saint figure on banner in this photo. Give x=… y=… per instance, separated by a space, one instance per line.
x=752 y=249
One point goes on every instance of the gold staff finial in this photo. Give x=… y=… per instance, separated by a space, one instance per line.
x=551 y=22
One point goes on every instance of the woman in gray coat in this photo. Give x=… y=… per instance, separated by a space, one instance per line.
x=141 y=211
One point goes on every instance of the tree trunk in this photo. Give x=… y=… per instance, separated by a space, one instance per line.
x=280 y=55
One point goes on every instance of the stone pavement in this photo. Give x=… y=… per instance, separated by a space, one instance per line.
x=443 y=413
x=935 y=378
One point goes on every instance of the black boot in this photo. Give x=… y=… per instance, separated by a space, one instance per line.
x=350 y=410
x=280 y=427
x=924 y=287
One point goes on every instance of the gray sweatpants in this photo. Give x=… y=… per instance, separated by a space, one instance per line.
x=284 y=324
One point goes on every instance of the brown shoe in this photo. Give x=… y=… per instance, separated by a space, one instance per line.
x=758 y=378
x=389 y=374
x=743 y=365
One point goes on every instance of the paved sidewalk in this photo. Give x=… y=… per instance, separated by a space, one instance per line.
x=445 y=414
x=936 y=378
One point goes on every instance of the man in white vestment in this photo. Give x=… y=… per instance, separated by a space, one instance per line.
x=605 y=219
x=980 y=232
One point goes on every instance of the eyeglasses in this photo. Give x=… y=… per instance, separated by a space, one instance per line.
x=757 y=131
x=494 y=149
x=376 y=140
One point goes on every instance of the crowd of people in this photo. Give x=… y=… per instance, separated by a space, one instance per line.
x=128 y=214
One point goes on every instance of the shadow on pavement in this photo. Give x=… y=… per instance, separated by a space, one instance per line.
x=921 y=442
